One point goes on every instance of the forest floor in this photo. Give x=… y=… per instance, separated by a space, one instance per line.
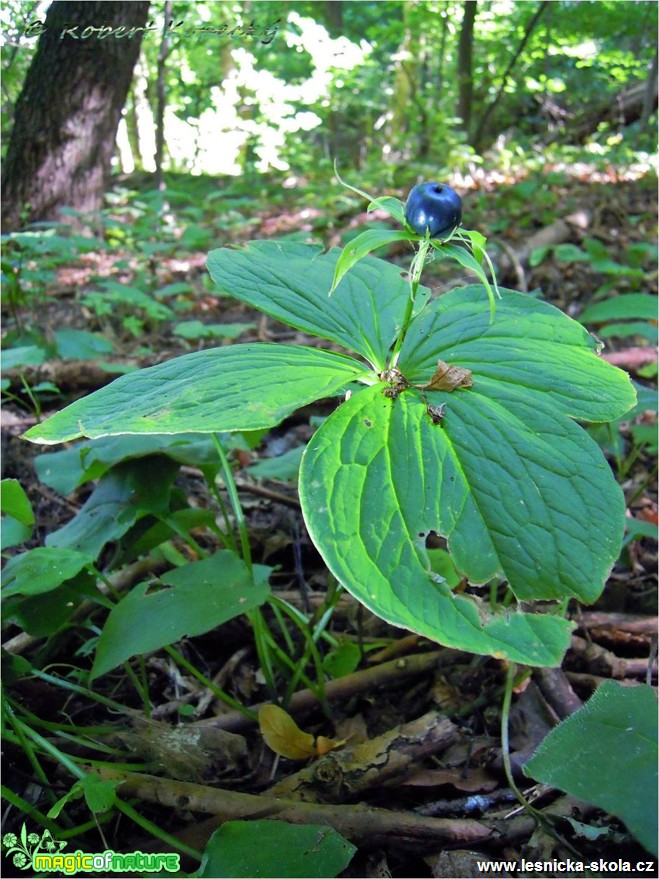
x=434 y=713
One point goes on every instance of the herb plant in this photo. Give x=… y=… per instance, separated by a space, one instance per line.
x=458 y=417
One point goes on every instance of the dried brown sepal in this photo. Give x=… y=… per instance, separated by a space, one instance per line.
x=448 y=378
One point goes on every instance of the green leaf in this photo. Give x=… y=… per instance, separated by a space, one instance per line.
x=71 y=467
x=202 y=596
x=461 y=255
x=15 y=502
x=44 y=614
x=99 y=795
x=379 y=475
x=531 y=346
x=625 y=329
x=241 y=387
x=570 y=253
x=360 y=247
x=13 y=533
x=284 y=467
x=606 y=753
x=41 y=569
x=80 y=345
x=343 y=660
x=26 y=355
x=516 y=487
x=195 y=329
x=393 y=206
x=121 y=497
x=275 y=848
x=623 y=307
x=290 y=282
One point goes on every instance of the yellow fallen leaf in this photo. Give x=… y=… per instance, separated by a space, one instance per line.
x=324 y=745
x=283 y=735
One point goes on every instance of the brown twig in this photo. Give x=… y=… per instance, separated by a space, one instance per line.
x=349 y=773
x=387 y=674
x=360 y=823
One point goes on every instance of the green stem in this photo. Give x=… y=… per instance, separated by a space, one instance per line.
x=236 y=506
x=505 y=740
x=415 y=277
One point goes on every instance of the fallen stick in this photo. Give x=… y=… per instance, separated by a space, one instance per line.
x=361 y=824
x=380 y=762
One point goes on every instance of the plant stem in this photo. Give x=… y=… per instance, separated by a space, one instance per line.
x=232 y=491
x=415 y=277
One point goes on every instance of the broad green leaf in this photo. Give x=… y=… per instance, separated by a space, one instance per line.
x=290 y=282
x=570 y=253
x=71 y=467
x=360 y=247
x=627 y=328
x=80 y=345
x=606 y=753
x=44 y=614
x=41 y=569
x=15 y=502
x=284 y=467
x=195 y=329
x=201 y=596
x=275 y=848
x=26 y=355
x=122 y=496
x=627 y=305
x=531 y=346
x=378 y=476
x=13 y=532
x=239 y=387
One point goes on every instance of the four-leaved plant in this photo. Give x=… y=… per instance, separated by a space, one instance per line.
x=457 y=418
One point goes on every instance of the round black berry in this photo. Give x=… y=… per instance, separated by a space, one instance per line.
x=433 y=206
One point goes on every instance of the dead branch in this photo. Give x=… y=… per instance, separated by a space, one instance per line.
x=360 y=823
x=383 y=761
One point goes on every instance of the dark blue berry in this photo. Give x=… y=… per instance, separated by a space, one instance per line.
x=433 y=206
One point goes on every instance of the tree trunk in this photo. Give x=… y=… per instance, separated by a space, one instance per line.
x=69 y=109
x=161 y=96
x=650 y=95
x=334 y=18
x=465 y=55
x=535 y=18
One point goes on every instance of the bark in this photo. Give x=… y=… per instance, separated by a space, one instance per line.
x=465 y=64
x=650 y=94
x=361 y=823
x=69 y=109
x=161 y=97
x=351 y=772
x=334 y=17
